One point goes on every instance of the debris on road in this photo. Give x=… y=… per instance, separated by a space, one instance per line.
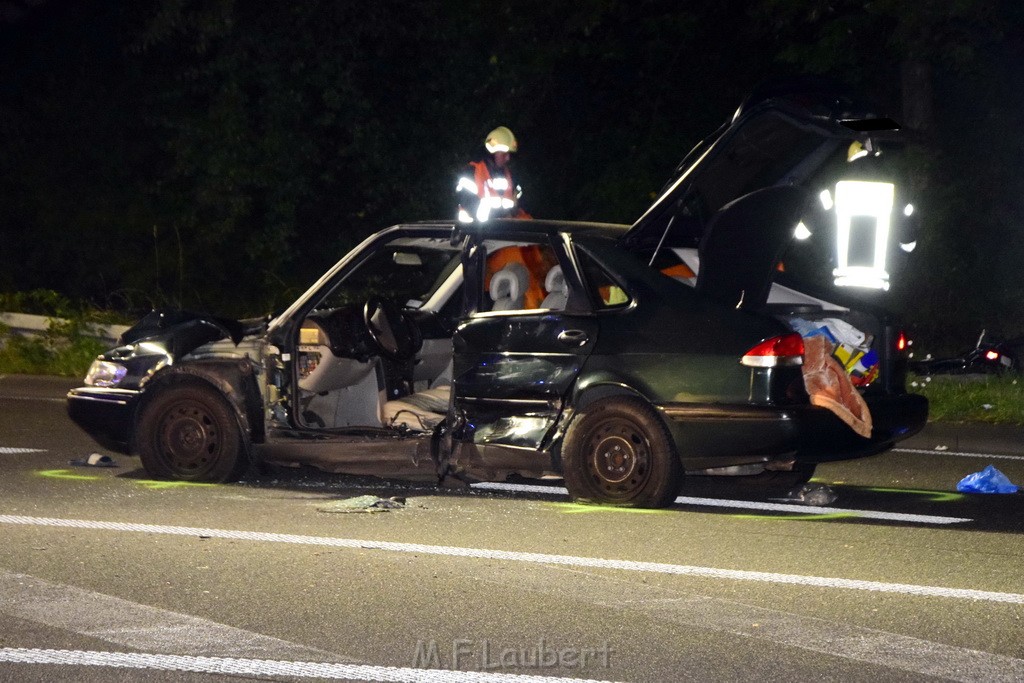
x=364 y=504
x=989 y=480
x=94 y=460
x=812 y=494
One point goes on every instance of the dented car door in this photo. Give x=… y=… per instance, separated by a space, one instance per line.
x=515 y=361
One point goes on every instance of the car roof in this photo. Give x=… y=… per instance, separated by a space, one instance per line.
x=530 y=227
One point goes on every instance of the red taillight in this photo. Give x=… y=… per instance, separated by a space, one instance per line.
x=902 y=342
x=787 y=349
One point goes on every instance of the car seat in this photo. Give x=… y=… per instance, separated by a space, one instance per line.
x=423 y=410
x=508 y=287
x=558 y=291
x=420 y=412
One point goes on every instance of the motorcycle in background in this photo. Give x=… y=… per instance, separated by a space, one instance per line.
x=987 y=357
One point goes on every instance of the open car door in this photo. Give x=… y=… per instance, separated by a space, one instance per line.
x=526 y=335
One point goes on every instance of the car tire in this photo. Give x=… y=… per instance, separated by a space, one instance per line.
x=617 y=451
x=189 y=432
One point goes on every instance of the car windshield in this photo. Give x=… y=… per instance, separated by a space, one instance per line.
x=406 y=271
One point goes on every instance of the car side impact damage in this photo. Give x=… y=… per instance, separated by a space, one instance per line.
x=625 y=358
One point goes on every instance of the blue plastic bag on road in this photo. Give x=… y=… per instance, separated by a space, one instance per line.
x=989 y=480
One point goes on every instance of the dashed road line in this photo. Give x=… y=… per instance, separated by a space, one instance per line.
x=128 y=624
x=10 y=450
x=160 y=636
x=750 y=505
x=262 y=667
x=664 y=604
x=534 y=558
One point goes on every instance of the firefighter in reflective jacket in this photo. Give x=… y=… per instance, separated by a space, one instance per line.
x=486 y=188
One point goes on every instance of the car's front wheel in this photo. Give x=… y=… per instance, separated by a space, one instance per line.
x=188 y=432
x=617 y=451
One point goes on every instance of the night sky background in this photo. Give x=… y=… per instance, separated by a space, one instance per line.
x=220 y=154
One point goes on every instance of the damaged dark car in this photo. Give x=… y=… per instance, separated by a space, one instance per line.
x=620 y=358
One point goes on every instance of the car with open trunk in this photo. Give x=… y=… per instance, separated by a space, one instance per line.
x=620 y=358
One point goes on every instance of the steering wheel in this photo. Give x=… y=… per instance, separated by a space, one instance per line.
x=394 y=333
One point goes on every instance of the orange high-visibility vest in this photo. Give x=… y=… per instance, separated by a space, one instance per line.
x=498 y=195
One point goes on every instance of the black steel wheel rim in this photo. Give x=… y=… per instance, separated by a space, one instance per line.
x=189 y=438
x=619 y=457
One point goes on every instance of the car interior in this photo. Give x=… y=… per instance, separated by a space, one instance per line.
x=393 y=369
x=376 y=352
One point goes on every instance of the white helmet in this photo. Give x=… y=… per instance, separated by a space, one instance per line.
x=501 y=139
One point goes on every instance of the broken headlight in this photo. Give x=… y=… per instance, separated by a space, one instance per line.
x=103 y=373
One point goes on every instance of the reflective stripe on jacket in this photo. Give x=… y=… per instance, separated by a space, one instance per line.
x=483 y=196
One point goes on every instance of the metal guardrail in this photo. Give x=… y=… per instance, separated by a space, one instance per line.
x=30 y=325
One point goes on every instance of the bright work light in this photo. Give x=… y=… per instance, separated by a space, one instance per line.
x=863 y=216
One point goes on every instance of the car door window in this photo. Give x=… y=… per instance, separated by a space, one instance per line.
x=406 y=271
x=518 y=276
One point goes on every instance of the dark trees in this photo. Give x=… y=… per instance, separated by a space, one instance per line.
x=220 y=153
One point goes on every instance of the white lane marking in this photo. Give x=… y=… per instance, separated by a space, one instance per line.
x=959 y=454
x=667 y=605
x=535 y=558
x=871 y=646
x=9 y=450
x=819 y=510
x=751 y=505
x=48 y=399
x=263 y=667
x=142 y=627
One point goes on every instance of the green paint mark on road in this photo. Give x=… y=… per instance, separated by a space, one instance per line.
x=147 y=483
x=154 y=484
x=576 y=508
x=936 y=496
x=66 y=474
x=799 y=518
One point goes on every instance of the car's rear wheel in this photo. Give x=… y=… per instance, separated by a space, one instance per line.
x=188 y=432
x=617 y=451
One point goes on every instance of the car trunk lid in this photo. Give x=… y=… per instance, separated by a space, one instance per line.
x=786 y=133
x=738 y=197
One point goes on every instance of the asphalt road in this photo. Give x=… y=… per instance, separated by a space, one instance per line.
x=106 y=575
